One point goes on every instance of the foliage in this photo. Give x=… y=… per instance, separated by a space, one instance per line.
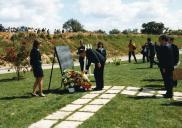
x=73 y=25
x=1 y=28
x=152 y=28
x=18 y=57
x=114 y=31
x=100 y=31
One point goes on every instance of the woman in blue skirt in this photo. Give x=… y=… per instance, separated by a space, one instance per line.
x=35 y=62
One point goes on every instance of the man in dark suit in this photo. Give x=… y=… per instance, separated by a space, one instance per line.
x=166 y=64
x=99 y=60
x=151 y=52
x=175 y=55
x=81 y=59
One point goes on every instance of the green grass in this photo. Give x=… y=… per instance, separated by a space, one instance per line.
x=18 y=109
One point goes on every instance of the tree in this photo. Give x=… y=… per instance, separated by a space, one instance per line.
x=73 y=25
x=2 y=28
x=114 y=31
x=100 y=31
x=17 y=56
x=152 y=28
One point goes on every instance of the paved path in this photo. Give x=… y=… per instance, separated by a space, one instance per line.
x=80 y=110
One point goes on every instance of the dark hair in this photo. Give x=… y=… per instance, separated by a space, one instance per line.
x=171 y=38
x=148 y=39
x=164 y=37
x=36 y=43
x=100 y=43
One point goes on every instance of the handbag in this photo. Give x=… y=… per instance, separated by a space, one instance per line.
x=177 y=74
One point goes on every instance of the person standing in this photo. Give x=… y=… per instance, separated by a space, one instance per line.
x=99 y=60
x=175 y=55
x=35 y=62
x=81 y=59
x=144 y=52
x=166 y=64
x=151 y=52
x=132 y=49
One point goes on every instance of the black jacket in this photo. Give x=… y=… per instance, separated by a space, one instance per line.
x=175 y=54
x=35 y=58
x=94 y=57
x=151 y=49
x=165 y=56
x=102 y=52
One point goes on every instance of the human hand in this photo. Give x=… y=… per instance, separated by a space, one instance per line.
x=99 y=65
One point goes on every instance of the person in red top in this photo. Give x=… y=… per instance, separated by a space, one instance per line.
x=132 y=49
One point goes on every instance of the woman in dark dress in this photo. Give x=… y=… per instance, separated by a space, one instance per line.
x=35 y=62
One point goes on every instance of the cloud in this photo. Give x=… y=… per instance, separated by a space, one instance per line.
x=122 y=15
x=36 y=13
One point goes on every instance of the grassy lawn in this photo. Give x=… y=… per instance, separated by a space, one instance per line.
x=18 y=109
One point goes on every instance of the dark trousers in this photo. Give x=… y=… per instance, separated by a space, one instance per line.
x=81 y=64
x=145 y=56
x=151 y=59
x=129 y=55
x=99 y=76
x=168 y=81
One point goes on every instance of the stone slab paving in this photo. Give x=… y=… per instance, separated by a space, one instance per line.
x=118 y=87
x=133 y=88
x=144 y=94
x=98 y=92
x=80 y=116
x=81 y=101
x=68 y=124
x=111 y=91
x=43 y=124
x=178 y=94
x=130 y=93
x=107 y=96
x=177 y=98
x=159 y=96
x=71 y=107
x=100 y=101
x=107 y=87
x=58 y=115
x=91 y=108
x=161 y=92
x=89 y=96
x=148 y=90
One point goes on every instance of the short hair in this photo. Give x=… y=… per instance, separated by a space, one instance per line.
x=171 y=38
x=100 y=43
x=36 y=43
x=148 y=39
x=164 y=37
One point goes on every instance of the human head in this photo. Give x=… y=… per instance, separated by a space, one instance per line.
x=171 y=40
x=130 y=41
x=163 y=39
x=100 y=45
x=81 y=43
x=148 y=39
x=36 y=44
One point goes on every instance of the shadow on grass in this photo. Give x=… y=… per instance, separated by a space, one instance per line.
x=141 y=97
x=155 y=86
x=176 y=103
x=61 y=91
x=16 y=97
x=153 y=80
x=11 y=79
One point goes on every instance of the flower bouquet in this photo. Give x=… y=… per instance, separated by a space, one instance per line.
x=75 y=79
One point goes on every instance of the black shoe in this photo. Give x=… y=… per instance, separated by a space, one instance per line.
x=96 y=89
x=167 y=96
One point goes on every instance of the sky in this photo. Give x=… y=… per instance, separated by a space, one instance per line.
x=92 y=14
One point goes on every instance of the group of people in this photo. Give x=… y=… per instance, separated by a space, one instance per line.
x=96 y=56
x=167 y=54
x=167 y=59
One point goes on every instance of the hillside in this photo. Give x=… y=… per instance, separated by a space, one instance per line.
x=116 y=45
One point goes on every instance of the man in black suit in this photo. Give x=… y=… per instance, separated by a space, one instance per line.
x=175 y=55
x=166 y=64
x=99 y=60
x=81 y=59
x=151 y=52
